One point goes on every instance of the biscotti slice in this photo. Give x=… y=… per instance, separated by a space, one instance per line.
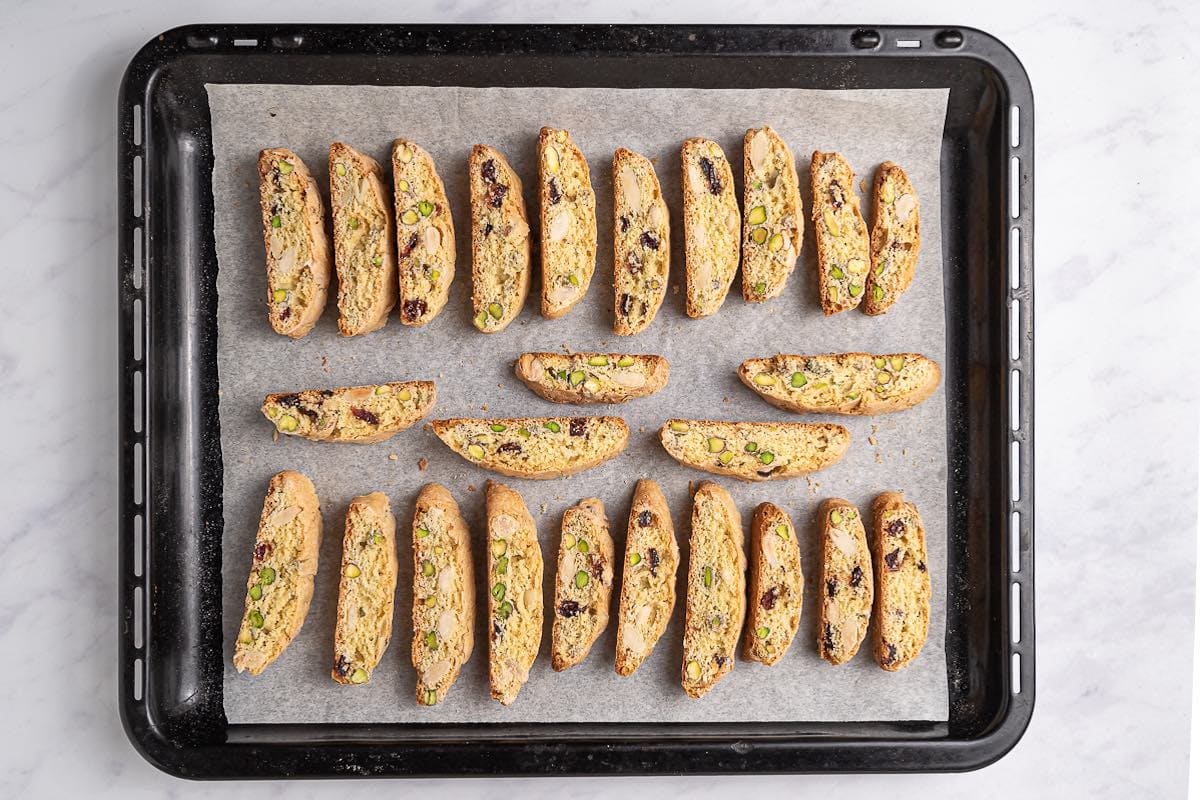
x=902 y=608
x=774 y=215
x=298 y=257
x=535 y=447
x=367 y=591
x=358 y=414
x=583 y=588
x=515 y=595
x=842 y=383
x=568 y=222
x=895 y=238
x=585 y=378
x=776 y=586
x=641 y=243
x=711 y=226
x=843 y=247
x=280 y=585
x=648 y=583
x=443 y=611
x=846 y=589
x=424 y=234
x=716 y=589
x=754 y=451
x=499 y=241
x=364 y=244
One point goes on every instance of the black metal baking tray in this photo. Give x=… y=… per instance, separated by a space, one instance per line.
x=170 y=649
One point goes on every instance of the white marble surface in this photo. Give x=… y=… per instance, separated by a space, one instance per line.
x=1117 y=432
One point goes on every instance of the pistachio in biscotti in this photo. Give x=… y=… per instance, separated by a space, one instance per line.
x=842 y=383
x=425 y=244
x=583 y=583
x=711 y=226
x=895 y=239
x=774 y=216
x=364 y=240
x=500 y=242
x=846 y=578
x=843 y=246
x=641 y=243
x=535 y=447
x=648 y=582
x=366 y=590
x=358 y=414
x=568 y=217
x=776 y=594
x=902 y=573
x=586 y=378
x=754 y=451
x=514 y=578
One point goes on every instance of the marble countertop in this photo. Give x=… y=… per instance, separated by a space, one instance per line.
x=1116 y=443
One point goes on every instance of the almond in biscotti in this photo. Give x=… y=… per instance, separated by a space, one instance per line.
x=895 y=238
x=363 y=240
x=641 y=243
x=500 y=245
x=568 y=210
x=424 y=234
x=774 y=217
x=711 y=226
x=843 y=247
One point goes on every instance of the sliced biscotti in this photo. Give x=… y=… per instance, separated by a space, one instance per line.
x=842 y=383
x=535 y=447
x=641 y=243
x=424 y=234
x=568 y=205
x=443 y=611
x=846 y=588
x=359 y=414
x=585 y=378
x=364 y=244
x=583 y=588
x=711 y=226
x=500 y=246
x=298 y=256
x=754 y=451
x=902 y=607
x=774 y=215
x=776 y=585
x=515 y=595
x=280 y=585
x=843 y=247
x=895 y=238
x=648 y=583
x=716 y=589
x=367 y=590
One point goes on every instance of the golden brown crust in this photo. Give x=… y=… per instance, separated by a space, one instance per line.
x=500 y=245
x=537 y=448
x=353 y=414
x=641 y=243
x=843 y=246
x=424 y=233
x=754 y=451
x=648 y=582
x=583 y=584
x=515 y=611
x=895 y=238
x=364 y=242
x=842 y=383
x=568 y=222
x=711 y=226
x=776 y=586
x=367 y=589
x=846 y=582
x=772 y=237
x=588 y=378
x=902 y=606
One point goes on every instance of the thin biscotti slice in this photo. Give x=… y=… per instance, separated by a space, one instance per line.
x=367 y=591
x=895 y=238
x=358 y=414
x=774 y=215
x=424 y=234
x=711 y=226
x=902 y=608
x=776 y=586
x=535 y=447
x=500 y=246
x=364 y=244
x=846 y=588
x=443 y=611
x=842 y=383
x=716 y=589
x=585 y=378
x=298 y=256
x=515 y=596
x=583 y=588
x=280 y=585
x=754 y=451
x=843 y=247
x=641 y=243
x=648 y=584
x=568 y=205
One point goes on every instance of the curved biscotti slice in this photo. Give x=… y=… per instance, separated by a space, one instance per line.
x=586 y=378
x=776 y=586
x=443 y=611
x=424 y=234
x=367 y=591
x=298 y=256
x=358 y=414
x=280 y=585
x=842 y=383
x=583 y=588
x=846 y=588
x=711 y=226
x=499 y=241
x=568 y=207
x=754 y=451
x=895 y=238
x=774 y=215
x=716 y=589
x=515 y=592
x=535 y=447
x=648 y=584
x=641 y=243
x=902 y=608
x=843 y=247
x=364 y=245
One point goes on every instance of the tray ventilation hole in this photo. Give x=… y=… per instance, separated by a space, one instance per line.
x=1014 y=330
x=199 y=42
x=1015 y=617
x=1014 y=538
x=137 y=329
x=137 y=679
x=949 y=39
x=245 y=42
x=137 y=186
x=138 y=545
x=1016 y=673
x=1014 y=121
x=1014 y=399
x=1014 y=186
x=137 y=258
x=137 y=126
x=865 y=39
x=1014 y=258
x=137 y=473
x=137 y=401
x=138 y=625
x=287 y=42
x=1014 y=471
x=908 y=43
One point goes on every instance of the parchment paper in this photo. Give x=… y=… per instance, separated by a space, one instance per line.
x=474 y=378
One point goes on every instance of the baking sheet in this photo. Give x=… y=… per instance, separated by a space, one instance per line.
x=474 y=377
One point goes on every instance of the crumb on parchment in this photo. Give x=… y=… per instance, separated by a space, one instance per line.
x=392 y=457
x=423 y=464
